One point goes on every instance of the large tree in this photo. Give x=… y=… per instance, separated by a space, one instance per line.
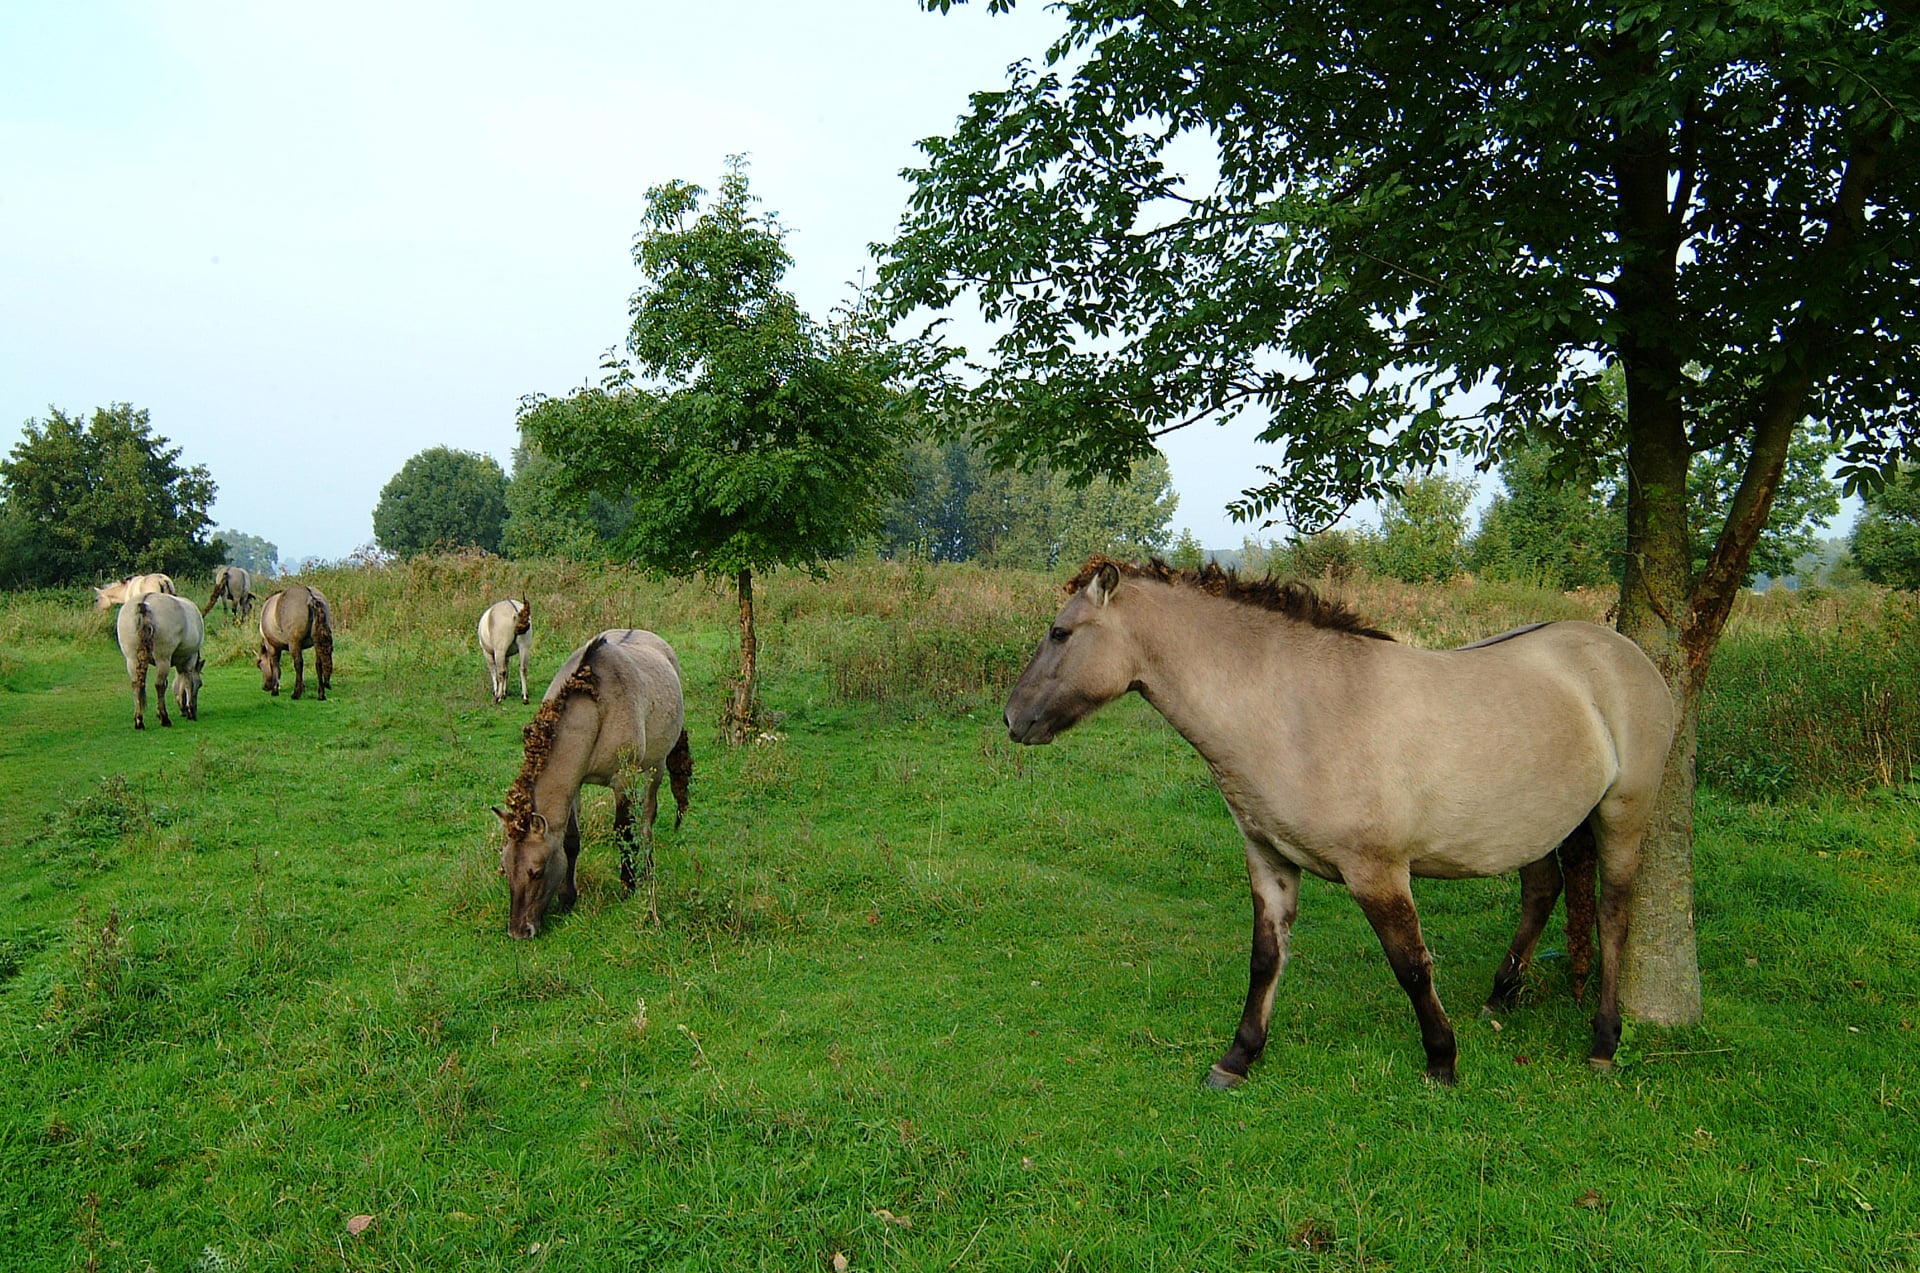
x=747 y=436
x=1424 y=229
x=83 y=501
x=442 y=498
x=1886 y=540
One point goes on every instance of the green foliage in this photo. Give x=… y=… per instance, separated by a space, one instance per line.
x=1806 y=499
x=1188 y=553
x=1558 y=528
x=82 y=501
x=1423 y=529
x=442 y=498
x=1402 y=188
x=958 y=507
x=900 y=966
x=251 y=553
x=764 y=440
x=1886 y=539
x=549 y=516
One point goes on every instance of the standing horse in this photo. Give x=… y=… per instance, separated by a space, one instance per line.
x=506 y=630
x=293 y=619
x=1366 y=762
x=120 y=591
x=233 y=585
x=158 y=629
x=613 y=709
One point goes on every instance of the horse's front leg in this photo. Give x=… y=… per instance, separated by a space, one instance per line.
x=1275 y=884
x=1539 y=889
x=570 y=886
x=1387 y=903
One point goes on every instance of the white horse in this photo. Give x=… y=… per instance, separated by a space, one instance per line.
x=120 y=591
x=158 y=629
x=233 y=585
x=506 y=629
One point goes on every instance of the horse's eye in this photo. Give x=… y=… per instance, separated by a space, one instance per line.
x=1058 y=634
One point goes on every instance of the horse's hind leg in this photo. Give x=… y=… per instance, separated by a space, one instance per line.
x=623 y=832
x=1618 y=840
x=160 y=695
x=1578 y=857
x=1275 y=884
x=1388 y=906
x=1539 y=889
x=299 y=670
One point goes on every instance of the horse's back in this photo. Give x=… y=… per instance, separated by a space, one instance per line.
x=286 y=616
x=498 y=625
x=637 y=693
x=177 y=631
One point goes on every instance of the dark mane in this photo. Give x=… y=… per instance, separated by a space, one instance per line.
x=1290 y=597
x=538 y=736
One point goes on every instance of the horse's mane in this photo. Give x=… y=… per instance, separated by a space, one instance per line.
x=539 y=735
x=1289 y=597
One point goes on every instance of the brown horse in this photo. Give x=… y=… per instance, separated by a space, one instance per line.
x=1366 y=762
x=293 y=619
x=613 y=709
x=234 y=586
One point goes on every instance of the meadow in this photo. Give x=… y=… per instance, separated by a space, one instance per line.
x=901 y=994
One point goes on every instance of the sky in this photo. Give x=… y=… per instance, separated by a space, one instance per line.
x=315 y=242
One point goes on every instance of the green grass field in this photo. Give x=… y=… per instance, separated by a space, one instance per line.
x=901 y=992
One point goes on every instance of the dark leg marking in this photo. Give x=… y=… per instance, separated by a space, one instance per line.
x=1275 y=888
x=623 y=831
x=1397 y=925
x=1539 y=889
x=1578 y=856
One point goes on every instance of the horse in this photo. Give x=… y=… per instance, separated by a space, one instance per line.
x=505 y=630
x=612 y=711
x=1344 y=753
x=294 y=618
x=120 y=591
x=233 y=585
x=158 y=629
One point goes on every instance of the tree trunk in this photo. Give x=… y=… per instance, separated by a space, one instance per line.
x=740 y=707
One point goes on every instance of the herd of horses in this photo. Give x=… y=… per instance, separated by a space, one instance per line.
x=1339 y=752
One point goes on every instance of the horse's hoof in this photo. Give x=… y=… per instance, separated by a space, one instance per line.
x=1224 y=1080
x=139 y=724
x=1442 y=1078
x=1600 y=1064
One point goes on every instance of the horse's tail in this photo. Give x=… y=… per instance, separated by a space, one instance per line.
x=679 y=773
x=1578 y=856
x=143 y=652
x=523 y=621
x=320 y=626
x=219 y=591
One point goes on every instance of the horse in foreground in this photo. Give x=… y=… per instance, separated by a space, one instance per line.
x=613 y=711
x=158 y=629
x=293 y=619
x=506 y=629
x=1366 y=762
x=234 y=586
x=120 y=591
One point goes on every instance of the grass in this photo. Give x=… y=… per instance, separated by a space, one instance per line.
x=917 y=996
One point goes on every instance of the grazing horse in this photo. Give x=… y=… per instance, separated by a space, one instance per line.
x=158 y=629
x=233 y=585
x=120 y=591
x=506 y=630
x=612 y=711
x=1364 y=761
x=293 y=619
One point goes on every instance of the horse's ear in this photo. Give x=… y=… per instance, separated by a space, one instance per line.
x=542 y=824
x=1105 y=580
x=498 y=813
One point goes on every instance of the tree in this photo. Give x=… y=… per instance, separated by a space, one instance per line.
x=251 y=552
x=1412 y=204
x=1552 y=524
x=1423 y=529
x=955 y=506
x=759 y=439
x=548 y=517
x=442 y=498
x=1886 y=539
x=87 y=500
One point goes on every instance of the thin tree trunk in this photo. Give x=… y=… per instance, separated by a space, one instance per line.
x=740 y=707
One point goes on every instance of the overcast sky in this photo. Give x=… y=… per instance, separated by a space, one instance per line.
x=313 y=242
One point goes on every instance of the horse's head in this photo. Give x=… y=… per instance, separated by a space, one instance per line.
x=269 y=668
x=1085 y=661
x=533 y=858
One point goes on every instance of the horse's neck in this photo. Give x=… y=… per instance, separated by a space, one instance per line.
x=565 y=767
x=1214 y=672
